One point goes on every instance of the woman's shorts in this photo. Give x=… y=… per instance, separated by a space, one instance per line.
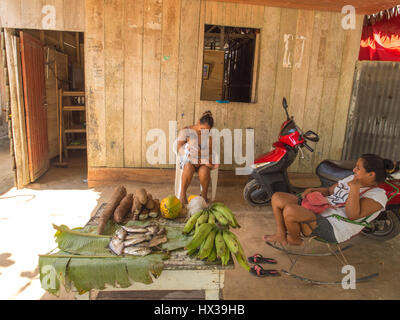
x=324 y=230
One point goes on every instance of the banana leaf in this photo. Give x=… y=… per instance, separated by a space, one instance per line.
x=95 y=272
x=52 y=272
x=85 y=262
x=78 y=242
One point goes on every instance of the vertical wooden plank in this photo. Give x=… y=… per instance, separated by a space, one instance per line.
x=114 y=81
x=32 y=13
x=95 y=83
x=200 y=60
x=249 y=110
x=10 y=13
x=212 y=15
x=208 y=14
x=259 y=15
x=350 y=57
x=133 y=83
x=188 y=57
x=229 y=14
x=285 y=67
x=270 y=40
x=78 y=48
x=332 y=68
x=151 y=71
x=301 y=63
x=169 y=69
x=201 y=107
x=17 y=111
x=220 y=14
x=74 y=20
x=315 y=83
x=255 y=68
x=51 y=101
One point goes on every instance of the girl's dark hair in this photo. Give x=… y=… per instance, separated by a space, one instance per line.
x=381 y=167
x=207 y=118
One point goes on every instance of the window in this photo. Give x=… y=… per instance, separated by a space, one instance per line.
x=230 y=60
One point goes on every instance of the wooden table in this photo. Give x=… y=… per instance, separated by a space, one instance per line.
x=180 y=272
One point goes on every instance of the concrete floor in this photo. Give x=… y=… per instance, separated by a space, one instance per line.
x=61 y=196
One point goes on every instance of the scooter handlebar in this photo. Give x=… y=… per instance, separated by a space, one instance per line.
x=308 y=147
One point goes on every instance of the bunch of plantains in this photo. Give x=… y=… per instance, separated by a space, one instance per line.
x=211 y=236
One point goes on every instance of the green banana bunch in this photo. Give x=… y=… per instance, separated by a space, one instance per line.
x=198 y=238
x=230 y=241
x=205 y=250
x=220 y=209
x=241 y=259
x=212 y=238
x=220 y=245
x=213 y=255
x=203 y=217
x=226 y=257
x=191 y=222
x=211 y=217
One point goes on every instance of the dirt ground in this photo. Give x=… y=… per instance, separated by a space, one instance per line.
x=61 y=196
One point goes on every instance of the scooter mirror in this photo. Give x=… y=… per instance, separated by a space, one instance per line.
x=285 y=106
x=284 y=103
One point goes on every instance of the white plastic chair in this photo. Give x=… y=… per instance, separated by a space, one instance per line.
x=179 y=171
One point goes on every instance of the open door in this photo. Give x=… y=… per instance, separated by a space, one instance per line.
x=32 y=58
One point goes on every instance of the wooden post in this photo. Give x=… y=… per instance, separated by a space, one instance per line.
x=42 y=37
x=78 y=48
x=255 y=68
x=61 y=41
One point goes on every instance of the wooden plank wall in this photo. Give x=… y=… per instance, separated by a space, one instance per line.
x=144 y=68
x=33 y=14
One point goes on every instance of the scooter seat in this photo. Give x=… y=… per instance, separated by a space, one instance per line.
x=334 y=170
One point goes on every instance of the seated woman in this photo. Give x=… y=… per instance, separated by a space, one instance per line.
x=359 y=193
x=195 y=155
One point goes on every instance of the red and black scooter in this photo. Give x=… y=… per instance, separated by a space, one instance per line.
x=269 y=175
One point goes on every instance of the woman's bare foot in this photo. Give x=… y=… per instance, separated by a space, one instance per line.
x=294 y=241
x=183 y=200
x=205 y=199
x=276 y=238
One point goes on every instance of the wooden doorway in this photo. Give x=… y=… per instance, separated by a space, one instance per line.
x=32 y=58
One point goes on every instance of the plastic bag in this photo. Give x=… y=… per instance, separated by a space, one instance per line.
x=196 y=204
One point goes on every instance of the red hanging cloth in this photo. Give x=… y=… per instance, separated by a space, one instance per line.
x=381 y=41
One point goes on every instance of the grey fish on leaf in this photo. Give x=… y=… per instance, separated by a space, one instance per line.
x=137 y=251
x=158 y=240
x=136 y=240
x=161 y=231
x=153 y=229
x=121 y=234
x=116 y=246
x=135 y=229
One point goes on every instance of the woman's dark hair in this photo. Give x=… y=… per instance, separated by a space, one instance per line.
x=381 y=167
x=207 y=118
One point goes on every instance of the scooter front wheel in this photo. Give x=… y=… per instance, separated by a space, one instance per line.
x=255 y=195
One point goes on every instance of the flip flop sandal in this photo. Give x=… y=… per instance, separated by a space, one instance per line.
x=258 y=271
x=258 y=258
